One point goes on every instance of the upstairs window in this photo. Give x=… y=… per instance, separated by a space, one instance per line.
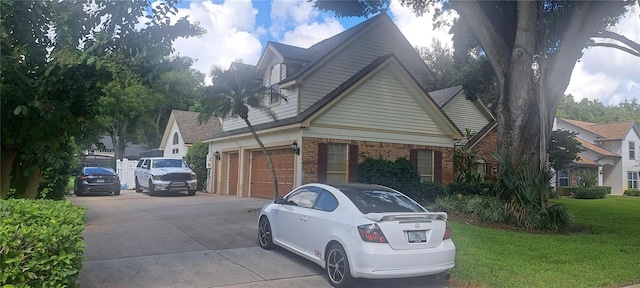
x=175 y=139
x=632 y=150
x=273 y=81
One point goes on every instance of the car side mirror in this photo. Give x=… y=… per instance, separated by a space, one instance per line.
x=279 y=200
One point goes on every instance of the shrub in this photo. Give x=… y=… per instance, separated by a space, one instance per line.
x=398 y=175
x=595 y=192
x=430 y=191
x=465 y=188
x=40 y=243
x=632 y=192
x=197 y=156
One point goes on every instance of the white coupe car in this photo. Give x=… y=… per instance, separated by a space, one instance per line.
x=359 y=231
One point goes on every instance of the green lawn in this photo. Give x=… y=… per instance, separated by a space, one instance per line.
x=605 y=254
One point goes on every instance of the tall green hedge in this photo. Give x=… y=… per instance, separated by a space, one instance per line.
x=197 y=156
x=40 y=243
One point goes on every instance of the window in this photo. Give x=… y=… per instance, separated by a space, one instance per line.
x=380 y=200
x=425 y=165
x=273 y=94
x=326 y=201
x=175 y=139
x=481 y=167
x=303 y=198
x=275 y=75
x=563 y=178
x=337 y=163
x=632 y=177
x=632 y=150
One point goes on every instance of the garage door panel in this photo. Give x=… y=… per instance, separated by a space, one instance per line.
x=233 y=174
x=261 y=177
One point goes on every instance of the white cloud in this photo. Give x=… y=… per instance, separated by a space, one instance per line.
x=607 y=74
x=298 y=23
x=419 y=30
x=230 y=34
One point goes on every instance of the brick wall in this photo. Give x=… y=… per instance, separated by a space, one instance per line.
x=389 y=151
x=485 y=148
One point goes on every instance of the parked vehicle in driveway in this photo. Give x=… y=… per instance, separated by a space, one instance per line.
x=159 y=174
x=96 y=179
x=358 y=231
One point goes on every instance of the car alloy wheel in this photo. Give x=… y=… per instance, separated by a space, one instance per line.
x=338 y=267
x=265 y=238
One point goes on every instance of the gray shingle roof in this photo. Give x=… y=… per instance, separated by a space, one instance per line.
x=191 y=130
x=443 y=96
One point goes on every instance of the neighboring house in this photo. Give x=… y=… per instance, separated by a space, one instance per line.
x=102 y=154
x=478 y=119
x=183 y=130
x=357 y=94
x=612 y=152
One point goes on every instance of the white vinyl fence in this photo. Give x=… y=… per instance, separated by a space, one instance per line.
x=125 y=169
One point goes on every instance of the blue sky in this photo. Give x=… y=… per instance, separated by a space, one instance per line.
x=240 y=29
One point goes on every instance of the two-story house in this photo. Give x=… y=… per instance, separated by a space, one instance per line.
x=612 y=152
x=357 y=94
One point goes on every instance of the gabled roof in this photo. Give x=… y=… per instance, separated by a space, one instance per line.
x=609 y=131
x=320 y=104
x=597 y=149
x=191 y=130
x=443 y=96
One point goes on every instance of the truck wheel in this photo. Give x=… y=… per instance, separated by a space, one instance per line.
x=138 y=189
x=191 y=192
x=152 y=188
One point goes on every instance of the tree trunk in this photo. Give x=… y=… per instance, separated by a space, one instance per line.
x=8 y=156
x=266 y=153
x=33 y=181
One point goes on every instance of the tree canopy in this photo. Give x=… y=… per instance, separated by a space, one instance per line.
x=58 y=60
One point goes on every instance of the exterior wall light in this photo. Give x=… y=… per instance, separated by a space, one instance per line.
x=217 y=155
x=295 y=148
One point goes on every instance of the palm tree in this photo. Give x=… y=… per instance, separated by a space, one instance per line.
x=232 y=93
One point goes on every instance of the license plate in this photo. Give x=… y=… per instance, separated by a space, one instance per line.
x=417 y=236
x=100 y=181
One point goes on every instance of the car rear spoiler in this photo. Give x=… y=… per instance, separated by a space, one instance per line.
x=378 y=217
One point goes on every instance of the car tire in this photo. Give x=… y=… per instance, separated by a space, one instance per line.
x=76 y=191
x=191 y=192
x=116 y=192
x=265 y=237
x=152 y=188
x=138 y=189
x=337 y=265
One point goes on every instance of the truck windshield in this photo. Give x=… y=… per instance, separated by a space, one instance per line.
x=162 y=163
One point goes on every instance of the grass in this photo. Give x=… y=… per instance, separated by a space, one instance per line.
x=605 y=253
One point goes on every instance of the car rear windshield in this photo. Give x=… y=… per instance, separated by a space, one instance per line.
x=98 y=170
x=380 y=201
x=161 y=163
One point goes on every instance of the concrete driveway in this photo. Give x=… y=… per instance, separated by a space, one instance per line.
x=207 y=240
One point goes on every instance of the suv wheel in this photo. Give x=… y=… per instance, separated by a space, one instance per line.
x=191 y=192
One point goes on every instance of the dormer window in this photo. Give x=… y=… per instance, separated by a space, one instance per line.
x=175 y=139
x=274 y=78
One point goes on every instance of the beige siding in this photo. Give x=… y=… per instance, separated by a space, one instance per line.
x=285 y=109
x=379 y=41
x=465 y=114
x=381 y=104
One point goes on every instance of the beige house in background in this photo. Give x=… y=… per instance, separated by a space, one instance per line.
x=612 y=151
x=183 y=130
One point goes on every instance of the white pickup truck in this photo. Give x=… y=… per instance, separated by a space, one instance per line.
x=159 y=174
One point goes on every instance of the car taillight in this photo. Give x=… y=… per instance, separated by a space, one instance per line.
x=447 y=232
x=371 y=233
x=82 y=177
